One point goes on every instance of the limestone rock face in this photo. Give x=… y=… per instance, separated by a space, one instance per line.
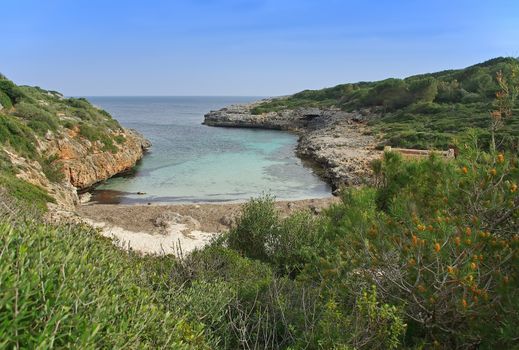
x=64 y=193
x=85 y=163
x=338 y=142
x=82 y=162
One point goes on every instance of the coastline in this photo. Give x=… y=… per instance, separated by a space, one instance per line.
x=338 y=144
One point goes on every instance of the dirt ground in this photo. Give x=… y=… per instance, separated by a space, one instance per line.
x=212 y=217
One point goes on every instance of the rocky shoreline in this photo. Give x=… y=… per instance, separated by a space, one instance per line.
x=338 y=142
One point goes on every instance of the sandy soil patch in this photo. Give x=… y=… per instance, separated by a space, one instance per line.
x=176 y=240
x=167 y=229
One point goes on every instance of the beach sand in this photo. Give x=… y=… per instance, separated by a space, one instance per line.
x=176 y=229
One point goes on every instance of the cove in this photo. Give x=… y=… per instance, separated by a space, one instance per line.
x=193 y=163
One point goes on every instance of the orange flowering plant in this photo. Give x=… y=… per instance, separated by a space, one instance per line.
x=443 y=247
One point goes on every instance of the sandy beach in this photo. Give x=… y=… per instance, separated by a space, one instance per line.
x=178 y=228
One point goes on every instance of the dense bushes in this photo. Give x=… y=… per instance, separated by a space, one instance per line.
x=38 y=119
x=12 y=91
x=5 y=101
x=444 y=249
x=428 y=257
x=63 y=287
x=423 y=111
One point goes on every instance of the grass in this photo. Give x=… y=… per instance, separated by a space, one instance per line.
x=25 y=193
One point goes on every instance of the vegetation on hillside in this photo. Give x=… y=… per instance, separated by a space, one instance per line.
x=28 y=114
x=64 y=287
x=423 y=111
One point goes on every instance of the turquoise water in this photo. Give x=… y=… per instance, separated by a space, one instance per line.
x=191 y=163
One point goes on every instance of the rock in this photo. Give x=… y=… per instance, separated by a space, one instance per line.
x=48 y=135
x=85 y=197
x=290 y=205
x=84 y=167
x=141 y=193
x=166 y=219
x=227 y=220
x=315 y=210
x=338 y=142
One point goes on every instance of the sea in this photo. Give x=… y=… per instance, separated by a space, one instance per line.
x=193 y=163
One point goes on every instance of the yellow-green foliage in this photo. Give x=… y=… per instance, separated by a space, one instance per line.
x=27 y=194
x=17 y=136
x=63 y=287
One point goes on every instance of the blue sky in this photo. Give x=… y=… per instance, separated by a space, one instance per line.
x=249 y=47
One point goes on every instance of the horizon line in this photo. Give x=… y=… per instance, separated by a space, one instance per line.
x=255 y=96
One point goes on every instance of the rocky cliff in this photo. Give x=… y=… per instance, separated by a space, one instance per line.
x=339 y=142
x=84 y=163
x=60 y=144
x=81 y=162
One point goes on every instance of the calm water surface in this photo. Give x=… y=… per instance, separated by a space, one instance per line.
x=190 y=162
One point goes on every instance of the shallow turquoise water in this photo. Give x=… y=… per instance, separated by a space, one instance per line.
x=190 y=162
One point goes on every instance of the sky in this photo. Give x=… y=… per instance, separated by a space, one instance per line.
x=244 y=48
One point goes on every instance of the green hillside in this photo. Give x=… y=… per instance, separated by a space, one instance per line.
x=421 y=111
x=27 y=115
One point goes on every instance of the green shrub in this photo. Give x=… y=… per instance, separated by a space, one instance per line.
x=10 y=89
x=80 y=103
x=371 y=325
x=255 y=228
x=63 y=287
x=28 y=195
x=5 y=101
x=294 y=243
x=38 y=118
x=445 y=247
x=18 y=136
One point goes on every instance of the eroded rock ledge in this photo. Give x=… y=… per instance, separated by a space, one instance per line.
x=339 y=142
x=82 y=162
x=85 y=163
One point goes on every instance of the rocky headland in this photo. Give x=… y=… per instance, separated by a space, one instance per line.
x=81 y=162
x=58 y=146
x=339 y=143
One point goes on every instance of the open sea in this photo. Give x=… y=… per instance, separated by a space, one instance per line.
x=193 y=163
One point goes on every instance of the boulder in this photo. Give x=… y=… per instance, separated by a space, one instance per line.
x=227 y=220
